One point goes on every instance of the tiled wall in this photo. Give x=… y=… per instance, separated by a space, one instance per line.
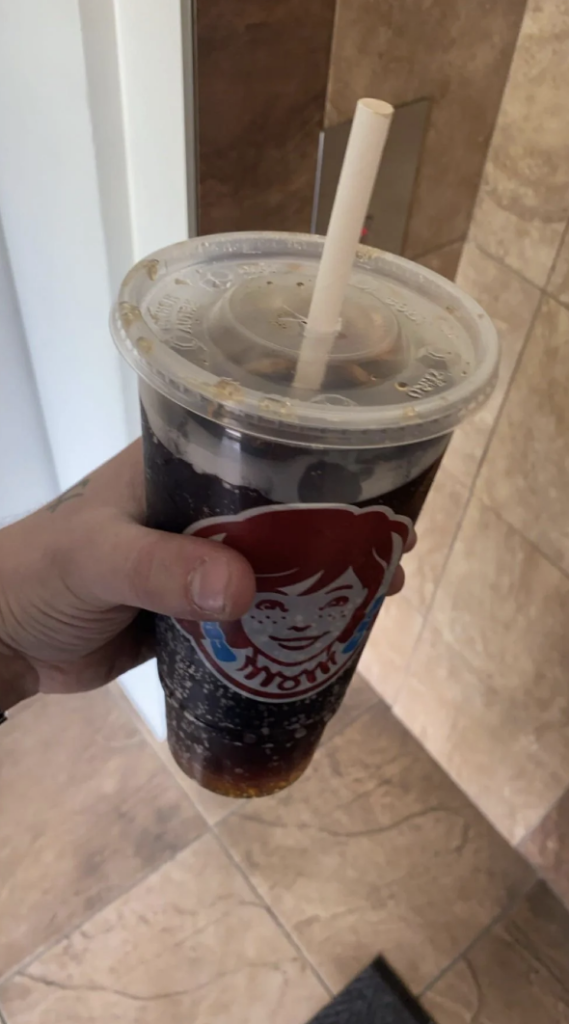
x=455 y=52
x=479 y=668
x=262 y=71
x=261 y=76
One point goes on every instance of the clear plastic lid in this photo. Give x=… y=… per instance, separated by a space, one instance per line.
x=216 y=325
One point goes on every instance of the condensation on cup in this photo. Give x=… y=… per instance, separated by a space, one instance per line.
x=318 y=490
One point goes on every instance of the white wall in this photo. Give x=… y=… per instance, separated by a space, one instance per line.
x=149 y=35
x=49 y=201
x=27 y=473
x=134 y=60
x=100 y=48
x=92 y=177
x=134 y=67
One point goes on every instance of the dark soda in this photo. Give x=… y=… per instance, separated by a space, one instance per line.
x=227 y=739
x=317 y=487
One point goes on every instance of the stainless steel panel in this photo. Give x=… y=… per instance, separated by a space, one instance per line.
x=189 y=57
x=390 y=204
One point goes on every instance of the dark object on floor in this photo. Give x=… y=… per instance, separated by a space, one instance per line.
x=376 y=996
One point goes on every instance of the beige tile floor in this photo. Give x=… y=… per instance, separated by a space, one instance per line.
x=121 y=901
x=490 y=674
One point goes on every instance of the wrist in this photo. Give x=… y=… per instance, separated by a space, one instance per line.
x=18 y=680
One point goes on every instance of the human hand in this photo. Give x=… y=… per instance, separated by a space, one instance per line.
x=398 y=581
x=74 y=575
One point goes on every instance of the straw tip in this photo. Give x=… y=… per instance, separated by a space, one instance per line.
x=379 y=107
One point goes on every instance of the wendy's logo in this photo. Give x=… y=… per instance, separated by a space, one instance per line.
x=322 y=574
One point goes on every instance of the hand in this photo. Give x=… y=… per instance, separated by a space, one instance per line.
x=398 y=581
x=74 y=575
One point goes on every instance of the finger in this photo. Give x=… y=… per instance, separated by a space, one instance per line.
x=172 y=574
x=411 y=541
x=398 y=581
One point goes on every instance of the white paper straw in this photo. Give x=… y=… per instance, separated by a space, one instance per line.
x=368 y=136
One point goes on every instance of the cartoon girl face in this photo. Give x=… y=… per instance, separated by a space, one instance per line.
x=292 y=628
x=321 y=573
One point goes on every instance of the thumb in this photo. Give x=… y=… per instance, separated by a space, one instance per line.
x=172 y=574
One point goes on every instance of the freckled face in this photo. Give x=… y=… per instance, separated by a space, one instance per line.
x=295 y=628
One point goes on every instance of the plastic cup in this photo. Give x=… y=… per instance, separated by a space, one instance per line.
x=318 y=490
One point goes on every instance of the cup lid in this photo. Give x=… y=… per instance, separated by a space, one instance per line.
x=216 y=324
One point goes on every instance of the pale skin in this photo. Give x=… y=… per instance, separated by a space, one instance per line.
x=75 y=575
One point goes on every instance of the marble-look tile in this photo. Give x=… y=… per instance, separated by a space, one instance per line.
x=25 y=705
x=213 y=806
x=487 y=690
x=375 y=851
x=190 y=943
x=511 y=303
x=389 y=648
x=385 y=48
x=525 y=243
x=547 y=847
x=517 y=974
x=87 y=811
x=443 y=261
x=261 y=76
x=524 y=199
x=359 y=698
x=558 y=284
x=437 y=527
x=526 y=473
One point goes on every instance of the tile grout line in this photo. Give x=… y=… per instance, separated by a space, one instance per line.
x=471 y=490
x=376 y=700
x=506 y=911
x=78 y=925
x=527 y=335
x=528 y=540
x=121 y=698
x=485 y=451
x=539 y=823
x=145 y=732
x=544 y=294
x=273 y=914
x=212 y=829
x=541 y=879
x=474 y=481
x=244 y=800
x=430 y=605
x=438 y=248
x=506 y=266
x=543 y=289
x=169 y=763
x=556 y=257
x=538 y=868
